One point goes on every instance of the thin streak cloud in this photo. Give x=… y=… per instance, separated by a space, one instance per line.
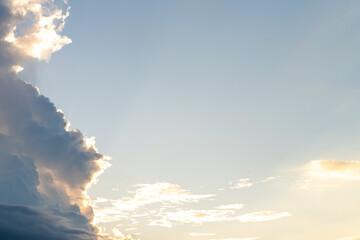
x=241 y=183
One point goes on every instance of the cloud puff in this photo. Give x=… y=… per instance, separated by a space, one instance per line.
x=242 y=183
x=334 y=169
x=42 y=37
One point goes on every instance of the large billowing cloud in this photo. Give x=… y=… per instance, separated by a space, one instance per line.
x=45 y=168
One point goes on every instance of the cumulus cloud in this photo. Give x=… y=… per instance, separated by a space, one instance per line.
x=45 y=168
x=42 y=37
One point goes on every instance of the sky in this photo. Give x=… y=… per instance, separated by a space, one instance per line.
x=213 y=120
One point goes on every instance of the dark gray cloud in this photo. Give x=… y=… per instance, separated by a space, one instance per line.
x=44 y=167
x=26 y=223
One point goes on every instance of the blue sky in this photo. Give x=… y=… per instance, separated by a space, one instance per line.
x=200 y=93
x=249 y=85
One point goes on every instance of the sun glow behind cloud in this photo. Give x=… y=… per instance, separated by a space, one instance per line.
x=334 y=169
x=42 y=38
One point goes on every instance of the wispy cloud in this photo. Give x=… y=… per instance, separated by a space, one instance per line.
x=248 y=238
x=262 y=216
x=334 y=169
x=201 y=234
x=144 y=194
x=140 y=207
x=230 y=207
x=241 y=183
x=269 y=179
x=167 y=219
x=357 y=237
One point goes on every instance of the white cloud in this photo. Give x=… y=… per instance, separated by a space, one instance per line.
x=230 y=207
x=334 y=169
x=269 y=179
x=242 y=183
x=357 y=237
x=144 y=194
x=262 y=216
x=167 y=219
x=42 y=37
x=201 y=234
x=248 y=238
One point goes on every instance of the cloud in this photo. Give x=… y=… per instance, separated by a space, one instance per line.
x=248 y=238
x=45 y=168
x=262 y=216
x=26 y=223
x=197 y=217
x=242 y=183
x=350 y=238
x=230 y=207
x=171 y=211
x=42 y=37
x=269 y=179
x=158 y=192
x=201 y=234
x=144 y=194
x=334 y=169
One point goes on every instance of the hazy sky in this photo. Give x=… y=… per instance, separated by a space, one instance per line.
x=224 y=120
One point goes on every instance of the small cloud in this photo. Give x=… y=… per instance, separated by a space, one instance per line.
x=17 y=68
x=334 y=169
x=144 y=194
x=269 y=179
x=167 y=219
x=248 y=238
x=201 y=234
x=120 y=236
x=158 y=192
x=350 y=238
x=242 y=183
x=101 y=200
x=230 y=207
x=262 y=216
x=130 y=229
